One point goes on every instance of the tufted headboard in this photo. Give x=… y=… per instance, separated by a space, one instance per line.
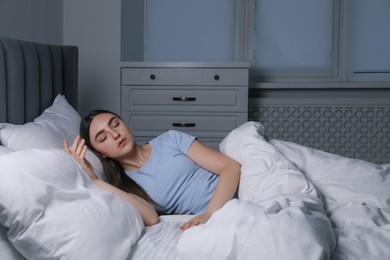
x=32 y=75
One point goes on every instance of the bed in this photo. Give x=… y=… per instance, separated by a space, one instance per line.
x=294 y=202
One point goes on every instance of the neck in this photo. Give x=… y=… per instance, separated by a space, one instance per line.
x=139 y=156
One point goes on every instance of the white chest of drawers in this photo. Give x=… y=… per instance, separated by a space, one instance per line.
x=206 y=100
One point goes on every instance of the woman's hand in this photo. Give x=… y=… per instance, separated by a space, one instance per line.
x=78 y=151
x=195 y=221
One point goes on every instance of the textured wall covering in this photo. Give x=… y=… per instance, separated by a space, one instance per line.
x=355 y=128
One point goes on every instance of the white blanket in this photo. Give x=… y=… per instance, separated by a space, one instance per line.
x=356 y=197
x=279 y=215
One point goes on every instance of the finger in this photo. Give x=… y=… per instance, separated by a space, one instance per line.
x=191 y=223
x=66 y=146
x=74 y=144
x=185 y=226
x=79 y=147
x=84 y=151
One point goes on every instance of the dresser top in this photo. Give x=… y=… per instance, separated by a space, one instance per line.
x=185 y=64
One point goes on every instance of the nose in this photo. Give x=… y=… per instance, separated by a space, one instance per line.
x=115 y=134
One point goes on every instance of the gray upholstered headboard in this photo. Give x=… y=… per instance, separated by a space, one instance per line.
x=32 y=75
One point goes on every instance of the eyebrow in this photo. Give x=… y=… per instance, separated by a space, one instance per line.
x=102 y=131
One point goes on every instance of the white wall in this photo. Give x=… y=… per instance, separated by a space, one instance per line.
x=32 y=20
x=94 y=26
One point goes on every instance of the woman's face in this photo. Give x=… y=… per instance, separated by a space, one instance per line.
x=110 y=136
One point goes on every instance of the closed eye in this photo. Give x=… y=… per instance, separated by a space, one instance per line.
x=115 y=123
x=102 y=139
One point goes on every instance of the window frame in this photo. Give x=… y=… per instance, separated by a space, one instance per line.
x=336 y=77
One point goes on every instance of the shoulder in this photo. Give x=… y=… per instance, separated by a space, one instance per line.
x=179 y=136
x=177 y=139
x=175 y=135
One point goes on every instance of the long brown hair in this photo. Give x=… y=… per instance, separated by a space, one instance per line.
x=114 y=171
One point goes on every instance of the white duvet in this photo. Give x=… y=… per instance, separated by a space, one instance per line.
x=295 y=203
x=356 y=197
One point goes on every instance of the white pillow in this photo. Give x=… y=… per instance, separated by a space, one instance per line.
x=54 y=211
x=5 y=150
x=58 y=122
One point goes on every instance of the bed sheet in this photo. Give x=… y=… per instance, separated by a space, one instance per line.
x=159 y=240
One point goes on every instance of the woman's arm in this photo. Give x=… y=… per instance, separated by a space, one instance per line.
x=148 y=213
x=78 y=151
x=229 y=178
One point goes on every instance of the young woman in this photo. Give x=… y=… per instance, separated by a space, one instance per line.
x=173 y=172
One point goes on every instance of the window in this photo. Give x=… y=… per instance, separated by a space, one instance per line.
x=314 y=41
x=367 y=39
x=187 y=30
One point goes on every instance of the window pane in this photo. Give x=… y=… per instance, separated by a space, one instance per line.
x=367 y=30
x=188 y=30
x=294 y=35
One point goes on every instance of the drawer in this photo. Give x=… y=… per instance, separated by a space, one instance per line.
x=184 y=76
x=154 y=98
x=201 y=125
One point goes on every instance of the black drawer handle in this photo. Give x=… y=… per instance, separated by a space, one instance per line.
x=152 y=76
x=216 y=77
x=184 y=98
x=183 y=124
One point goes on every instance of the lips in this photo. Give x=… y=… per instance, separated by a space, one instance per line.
x=122 y=142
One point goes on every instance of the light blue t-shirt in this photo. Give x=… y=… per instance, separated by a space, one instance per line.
x=172 y=179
